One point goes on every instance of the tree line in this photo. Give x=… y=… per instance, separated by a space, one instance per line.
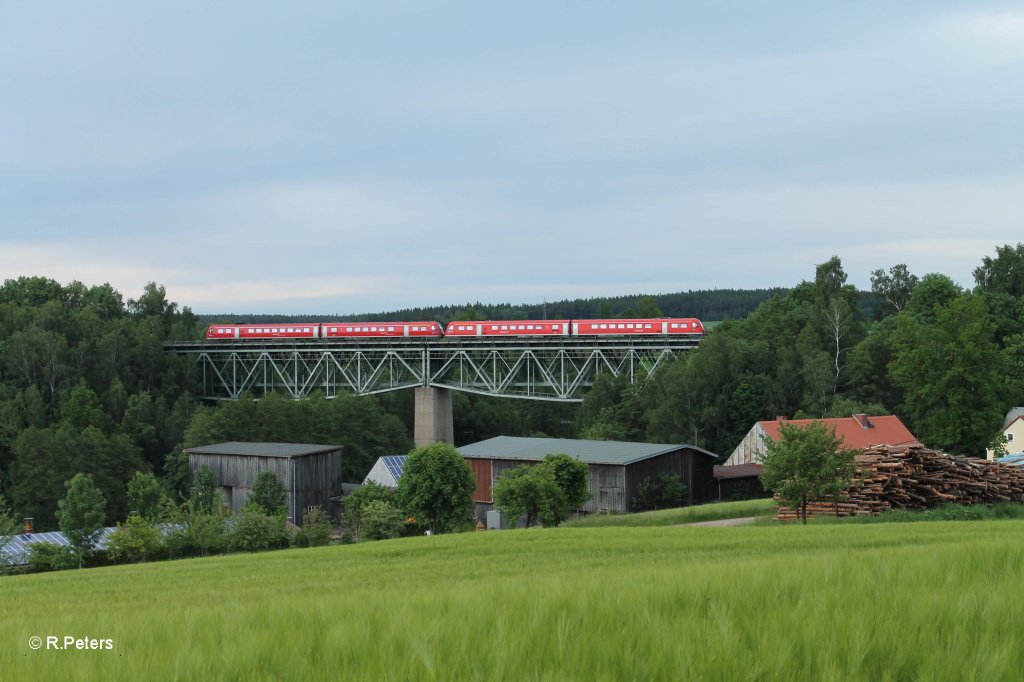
x=712 y=305
x=947 y=360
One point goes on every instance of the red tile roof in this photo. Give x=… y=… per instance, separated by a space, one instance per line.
x=857 y=432
x=738 y=470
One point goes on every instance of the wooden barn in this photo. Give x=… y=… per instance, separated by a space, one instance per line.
x=616 y=468
x=311 y=474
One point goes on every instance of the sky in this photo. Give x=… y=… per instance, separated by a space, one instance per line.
x=337 y=157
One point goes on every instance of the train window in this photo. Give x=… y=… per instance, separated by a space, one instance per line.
x=391 y=329
x=504 y=327
x=622 y=326
x=291 y=330
x=305 y=329
x=494 y=327
x=693 y=324
x=647 y=326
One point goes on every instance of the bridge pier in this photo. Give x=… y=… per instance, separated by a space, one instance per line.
x=433 y=416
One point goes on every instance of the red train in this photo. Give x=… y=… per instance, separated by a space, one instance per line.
x=684 y=326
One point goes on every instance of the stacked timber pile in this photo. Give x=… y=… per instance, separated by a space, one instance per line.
x=918 y=478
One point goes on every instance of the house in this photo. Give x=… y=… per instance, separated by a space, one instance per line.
x=386 y=471
x=1013 y=429
x=737 y=477
x=617 y=468
x=311 y=474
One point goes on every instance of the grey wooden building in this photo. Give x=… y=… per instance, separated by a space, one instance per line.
x=311 y=474
x=616 y=468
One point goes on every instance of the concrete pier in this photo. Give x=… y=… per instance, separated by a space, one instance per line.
x=433 y=418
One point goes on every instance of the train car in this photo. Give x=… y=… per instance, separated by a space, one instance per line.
x=284 y=330
x=374 y=330
x=509 y=328
x=662 y=326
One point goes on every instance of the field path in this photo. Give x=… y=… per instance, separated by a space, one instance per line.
x=743 y=521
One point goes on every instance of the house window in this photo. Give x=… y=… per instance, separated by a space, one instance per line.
x=1009 y=438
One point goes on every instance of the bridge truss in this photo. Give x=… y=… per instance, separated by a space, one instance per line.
x=521 y=368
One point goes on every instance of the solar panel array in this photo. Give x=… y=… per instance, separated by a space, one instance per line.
x=395 y=464
x=16 y=549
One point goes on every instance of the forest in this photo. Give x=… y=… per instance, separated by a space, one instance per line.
x=85 y=385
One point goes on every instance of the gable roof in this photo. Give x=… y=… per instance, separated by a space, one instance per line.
x=263 y=449
x=589 y=451
x=1012 y=416
x=857 y=432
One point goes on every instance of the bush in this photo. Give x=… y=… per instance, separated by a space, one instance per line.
x=316 y=529
x=357 y=501
x=382 y=521
x=44 y=556
x=136 y=541
x=254 y=531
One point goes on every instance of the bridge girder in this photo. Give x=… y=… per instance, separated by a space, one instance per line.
x=540 y=370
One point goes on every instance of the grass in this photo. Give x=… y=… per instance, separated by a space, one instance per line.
x=829 y=602
x=674 y=517
x=947 y=512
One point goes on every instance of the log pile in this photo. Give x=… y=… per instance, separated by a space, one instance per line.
x=917 y=478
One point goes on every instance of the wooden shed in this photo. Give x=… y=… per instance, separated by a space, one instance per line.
x=617 y=468
x=311 y=474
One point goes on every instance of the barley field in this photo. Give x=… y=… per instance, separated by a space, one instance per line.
x=936 y=600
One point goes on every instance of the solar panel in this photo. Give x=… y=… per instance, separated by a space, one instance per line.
x=395 y=464
x=16 y=550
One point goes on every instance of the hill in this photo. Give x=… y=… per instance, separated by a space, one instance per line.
x=891 y=601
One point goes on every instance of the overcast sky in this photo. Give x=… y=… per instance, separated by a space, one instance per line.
x=337 y=157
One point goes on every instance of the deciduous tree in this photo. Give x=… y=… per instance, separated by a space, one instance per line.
x=437 y=487
x=806 y=464
x=81 y=514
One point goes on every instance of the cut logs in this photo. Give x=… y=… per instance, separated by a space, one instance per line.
x=917 y=478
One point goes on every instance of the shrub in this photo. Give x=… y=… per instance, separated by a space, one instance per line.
x=316 y=529
x=357 y=501
x=44 y=556
x=268 y=494
x=254 y=531
x=382 y=521
x=135 y=541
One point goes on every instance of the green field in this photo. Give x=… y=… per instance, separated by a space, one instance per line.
x=936 y=600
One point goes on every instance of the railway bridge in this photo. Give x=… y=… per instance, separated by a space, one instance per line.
x=536 y=368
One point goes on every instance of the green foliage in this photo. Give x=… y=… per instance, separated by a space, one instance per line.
x=570 y=475
x=437 y=487
x=806 y=464
x=547 y=492
x=252 y=530
x=194 y=531
x=145 y=495
x=137 y=540
x=357 y=501
x=529 y=490
x=9 y=525
x=81 y=513
x=894 y=287
x=951 y=374
x=44 y=556
x=1004 y=273
x=268 y=494
x=661 y=492
x=205 y=495
x=316 y=529
x=382 y=521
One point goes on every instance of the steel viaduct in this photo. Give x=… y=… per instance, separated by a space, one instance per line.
x=515 y=367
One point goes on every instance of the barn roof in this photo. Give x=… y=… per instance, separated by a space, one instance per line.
x=589 y=451
x=858 y=431
x=263 y=449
